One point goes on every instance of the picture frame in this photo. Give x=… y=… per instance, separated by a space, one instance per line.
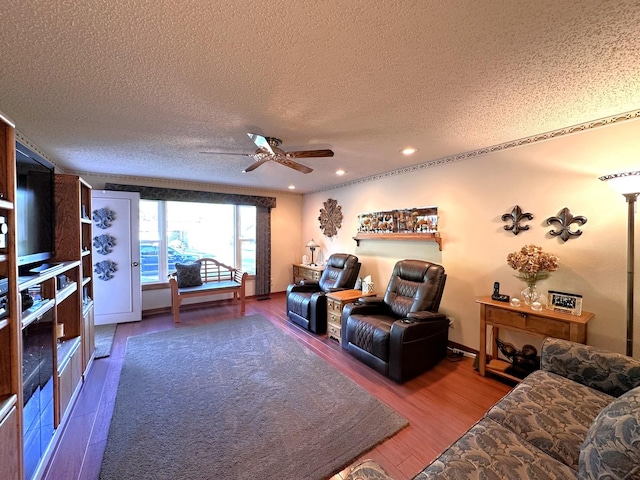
x=565 y=302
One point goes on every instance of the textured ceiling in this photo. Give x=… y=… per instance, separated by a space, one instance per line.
x=140 y=88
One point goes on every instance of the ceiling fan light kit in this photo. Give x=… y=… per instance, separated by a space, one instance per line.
x=269 y=150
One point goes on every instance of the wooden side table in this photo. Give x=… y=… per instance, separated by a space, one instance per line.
x=309 y=272
x=335 y=303
x=542 y=323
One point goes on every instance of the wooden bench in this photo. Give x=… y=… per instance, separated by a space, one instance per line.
x=216 y=278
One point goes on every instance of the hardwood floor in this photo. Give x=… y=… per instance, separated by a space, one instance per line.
x=440 y=405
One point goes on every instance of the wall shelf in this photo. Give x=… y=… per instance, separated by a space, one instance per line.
x=427 y=237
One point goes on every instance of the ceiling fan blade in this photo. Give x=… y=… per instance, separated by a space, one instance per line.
x=310 y=153
x=291 y=164
x=227 y=153
x=255 y=165
x=261 y=142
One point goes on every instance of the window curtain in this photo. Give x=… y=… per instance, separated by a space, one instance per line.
x=263 y=219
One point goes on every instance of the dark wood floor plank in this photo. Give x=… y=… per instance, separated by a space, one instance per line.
x=440 y=405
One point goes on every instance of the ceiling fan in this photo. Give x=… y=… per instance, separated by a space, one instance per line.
x=269 y=150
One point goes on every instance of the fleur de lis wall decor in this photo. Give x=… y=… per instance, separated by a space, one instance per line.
x=516 y=216
x=104 y=243
x=330 y=217
x=103 y=217
x=565 y=218
x=105 y=269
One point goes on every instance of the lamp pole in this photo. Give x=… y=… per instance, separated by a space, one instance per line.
x=628 y=184
x=631 y=201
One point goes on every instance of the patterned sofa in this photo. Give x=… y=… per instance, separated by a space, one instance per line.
x=576 y=417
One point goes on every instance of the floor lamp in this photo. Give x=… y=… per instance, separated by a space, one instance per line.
x=628 y=184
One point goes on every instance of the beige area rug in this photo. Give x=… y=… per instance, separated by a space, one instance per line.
x=237 y=399
x=104 y=335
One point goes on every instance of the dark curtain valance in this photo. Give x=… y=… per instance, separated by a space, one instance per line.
x=177 y=195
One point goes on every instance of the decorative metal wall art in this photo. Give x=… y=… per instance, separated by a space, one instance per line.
x=330 y=217
x=565 y=218
x=104 y=244
x=410 y=220
x=516 y=216
x=105 y=269
x=103 y=217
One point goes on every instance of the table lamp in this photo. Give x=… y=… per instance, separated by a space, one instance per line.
x=312 y=245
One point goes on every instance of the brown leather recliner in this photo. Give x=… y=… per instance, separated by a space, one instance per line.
x=306 y=301
x=402 y=334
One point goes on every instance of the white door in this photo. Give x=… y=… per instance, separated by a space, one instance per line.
x=116 y=257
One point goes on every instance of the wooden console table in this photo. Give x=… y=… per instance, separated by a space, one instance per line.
x=542 y=323
x=309 y=272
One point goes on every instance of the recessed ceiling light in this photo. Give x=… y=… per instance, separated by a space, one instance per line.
x=292 y=187
x=340 y=172
x=408 y=151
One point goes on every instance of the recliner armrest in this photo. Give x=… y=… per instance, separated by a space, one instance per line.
x=370 y=300
x=303 y=287
x=423 y=316
x=364 y=308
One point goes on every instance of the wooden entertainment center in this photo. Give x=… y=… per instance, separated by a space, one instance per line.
x=61 y=307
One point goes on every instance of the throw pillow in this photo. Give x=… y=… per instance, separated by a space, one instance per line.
x=188 y=274
x=612 y=446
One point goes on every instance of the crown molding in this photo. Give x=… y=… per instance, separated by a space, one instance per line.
x=603 y=122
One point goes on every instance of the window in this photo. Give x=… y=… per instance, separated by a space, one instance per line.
x=181 y=232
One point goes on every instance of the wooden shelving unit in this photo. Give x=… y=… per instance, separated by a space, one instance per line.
x=10 y=358
x=62 y=296
x=426 y=237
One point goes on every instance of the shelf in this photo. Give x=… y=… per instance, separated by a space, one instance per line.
x=86 y=220
x=7 y=402
x=39 y=308
x=64 y=293
x=3 y=257
x=4 y=323
x=86 y=307
x=502 y=373
x=6 y=205
x=25 y=282
x=427 y=237
x=86 y=280
x=85 y=253
x=66 y=349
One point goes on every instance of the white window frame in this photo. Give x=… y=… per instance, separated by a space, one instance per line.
x=163 y=271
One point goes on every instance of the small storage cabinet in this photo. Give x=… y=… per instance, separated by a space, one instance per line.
x=335 y=303
x=308 y=272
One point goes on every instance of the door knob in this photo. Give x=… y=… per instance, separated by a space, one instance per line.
x=135 y=264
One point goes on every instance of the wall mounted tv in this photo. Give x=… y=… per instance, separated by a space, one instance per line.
x=34 y=207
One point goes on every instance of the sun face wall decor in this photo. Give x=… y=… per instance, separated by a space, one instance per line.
x=330 y=217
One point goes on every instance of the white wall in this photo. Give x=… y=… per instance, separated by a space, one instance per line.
x=286 y=227
x=472 y=196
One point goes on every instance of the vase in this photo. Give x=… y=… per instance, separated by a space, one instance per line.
x=530 y=294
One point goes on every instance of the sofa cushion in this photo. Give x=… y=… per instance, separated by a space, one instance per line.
x=609 y=372
x=188 y=274
x=552 y=413
x=367 y=470
x=490 y=451
x=612 y=447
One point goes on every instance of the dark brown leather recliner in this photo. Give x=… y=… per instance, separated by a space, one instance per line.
x=306 y=301
x=402 y=334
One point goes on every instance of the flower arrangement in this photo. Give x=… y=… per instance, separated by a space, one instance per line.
x=532 y=264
